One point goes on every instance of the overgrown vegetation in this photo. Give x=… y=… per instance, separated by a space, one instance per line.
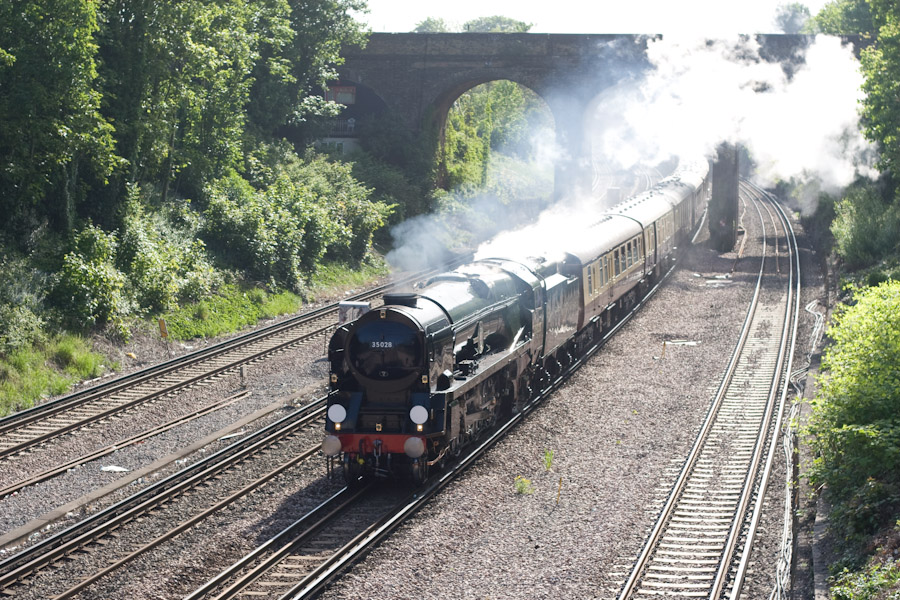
x=856 y=419
x=153 y=156
x=855 y=423
x=45 y=368
x=876 y=580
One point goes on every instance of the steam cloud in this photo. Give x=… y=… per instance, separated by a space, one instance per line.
x=700 y=94
x=798 y=121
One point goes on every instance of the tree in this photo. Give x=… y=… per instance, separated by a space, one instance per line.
x=881 y=68
x=303 y=61
x=432 y=25
x=790 y=18
x=842 y=17
x=191 y=84
x=51 y=131
x=496 y=24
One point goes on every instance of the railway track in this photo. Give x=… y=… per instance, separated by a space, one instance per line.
x=28 y=429
x=201 y=486
x=118 y=445
x=295 y=563
x=701 y=542
x=299 y=555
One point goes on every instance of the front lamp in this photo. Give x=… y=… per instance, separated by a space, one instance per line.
x=337 y=413
x=418 y=414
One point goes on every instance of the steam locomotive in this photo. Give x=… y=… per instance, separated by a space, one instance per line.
x=415 y=380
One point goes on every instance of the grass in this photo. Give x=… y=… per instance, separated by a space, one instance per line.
x=50 y=368
x=231 y=309
x=332 y=276
x=235 y=307
x=45 y=370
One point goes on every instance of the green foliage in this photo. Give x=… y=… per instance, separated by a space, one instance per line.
x=523 y=486
x=282 y=232
x=548 y=459
x=52 y=134
x=390 y=186
x=88 y=288
x=46 y=369
x=877 y=277
x=161 y=258
x=879 y=579
x=432 y=25
x=349 y=208
x=856 y=415
x=499 y=116
x=865 y=227
x=228 y=310
x=881 y=68
x=257 y=231
x=496 y=24
x=466 y=146
x=842 y=17
x=95 y=96
x=21 y=304
x=390 y=140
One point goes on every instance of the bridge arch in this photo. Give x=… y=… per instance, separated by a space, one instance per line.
x=419 y=76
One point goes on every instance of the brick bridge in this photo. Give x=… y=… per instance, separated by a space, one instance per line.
x=419 y=76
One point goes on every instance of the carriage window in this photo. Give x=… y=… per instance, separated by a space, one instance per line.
x=590 y=278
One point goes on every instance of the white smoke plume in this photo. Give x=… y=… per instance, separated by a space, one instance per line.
x=799 y=122
x=700 y=94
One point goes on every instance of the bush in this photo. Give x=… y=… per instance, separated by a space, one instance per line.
x=21 y=305
x=856 y=412
x=88 y=288
x=874 y=582
x=265 y=234
x=160 y=257
x=355 y=218
x=280 y=234
x=865 y=227
x=391 y=187
x=19 y=328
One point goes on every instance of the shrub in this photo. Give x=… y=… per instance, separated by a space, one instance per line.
x=21 y=304
x=256 y=231
x=161 y=257
x=281 y=233
x=856 y=412
x=865 y=227
x=875 y=581
x=354 y=217
x=88 y=288
x=19 y=328
x=876 y=277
